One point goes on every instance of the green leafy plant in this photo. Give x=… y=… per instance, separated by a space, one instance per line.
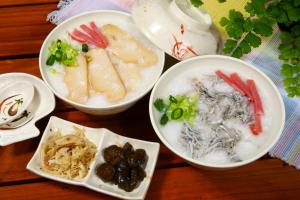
x=245 y=32
x=198 y=3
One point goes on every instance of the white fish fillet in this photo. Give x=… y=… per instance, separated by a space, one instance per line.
x=129 y=73
x=103 y=76
x=127 y=47
x=76 y=79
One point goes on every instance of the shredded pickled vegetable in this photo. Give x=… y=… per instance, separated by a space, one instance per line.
x=67 y=156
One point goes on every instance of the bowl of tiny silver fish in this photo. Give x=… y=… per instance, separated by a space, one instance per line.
x=210 y=122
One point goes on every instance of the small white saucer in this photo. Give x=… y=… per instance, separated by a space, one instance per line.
x=15 y=99
x=43 y=103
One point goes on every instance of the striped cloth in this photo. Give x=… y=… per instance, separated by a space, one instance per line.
x=265 y=58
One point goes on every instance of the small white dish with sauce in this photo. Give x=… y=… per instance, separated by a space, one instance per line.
x=40 y=102
x=15 y=98
x=101 y=138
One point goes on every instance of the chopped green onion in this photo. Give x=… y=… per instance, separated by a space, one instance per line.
x=172 y=99
x=52 y=70
x=180 y=108
x=58 y=55
x=164 y=119
x=159 y=105
x=62 y=52
x=50 y=61
x=85 y=48
x=58 y=44
x=177 y=113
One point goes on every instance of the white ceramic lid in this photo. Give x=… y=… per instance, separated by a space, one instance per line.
x=176 y=27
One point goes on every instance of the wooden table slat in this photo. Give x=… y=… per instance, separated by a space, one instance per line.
x=5 y=3
x=261 y=180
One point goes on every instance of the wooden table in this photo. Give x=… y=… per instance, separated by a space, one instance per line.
x=22 y=31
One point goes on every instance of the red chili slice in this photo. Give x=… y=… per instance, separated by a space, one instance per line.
x=235 y=78
x=83 y=36
x=93 y=35
x=257 y=127
x=258 y=108
x=99 y=33
x=78 y=39
x=223 y=76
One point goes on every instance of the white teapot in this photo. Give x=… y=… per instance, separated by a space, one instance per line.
x=177 y=27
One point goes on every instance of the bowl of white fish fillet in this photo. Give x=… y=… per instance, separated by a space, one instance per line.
x=217 y=112
x=99 y=62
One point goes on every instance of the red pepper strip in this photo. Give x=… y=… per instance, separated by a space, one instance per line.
x=221 y=75
x=258 y=108
x=256 y=128
x=93 y=35
x=83 y=36
x=78 y=39
x=99 y=33
x=235 y=78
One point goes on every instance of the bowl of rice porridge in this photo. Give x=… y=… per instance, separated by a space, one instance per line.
x=99 y=62
x=216 y=111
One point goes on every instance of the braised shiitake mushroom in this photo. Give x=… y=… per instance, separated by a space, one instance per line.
x=123 y=166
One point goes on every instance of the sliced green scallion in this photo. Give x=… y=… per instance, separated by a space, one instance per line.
x=177 y=113
x=85 y=48
x=164 y=119
x=50 y=61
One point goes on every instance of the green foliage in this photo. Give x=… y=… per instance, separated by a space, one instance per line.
x=198 y=3
x=290 y=54
x=246 y=33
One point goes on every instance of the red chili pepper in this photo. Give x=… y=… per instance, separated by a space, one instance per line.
x=235 y=78
x=99 y=33
x=83 y=36
x=258 y=108
x=256 y=128
x=78 y=39
x=93 y=35
x=223 y=76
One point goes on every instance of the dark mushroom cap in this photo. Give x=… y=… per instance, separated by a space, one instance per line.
x=112 y=154
x=124 y=166
x=106 y=172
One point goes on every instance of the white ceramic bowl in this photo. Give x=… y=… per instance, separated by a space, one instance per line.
x=102 y=17
x=102 y=138
x=177 y=27
x=207 y=65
